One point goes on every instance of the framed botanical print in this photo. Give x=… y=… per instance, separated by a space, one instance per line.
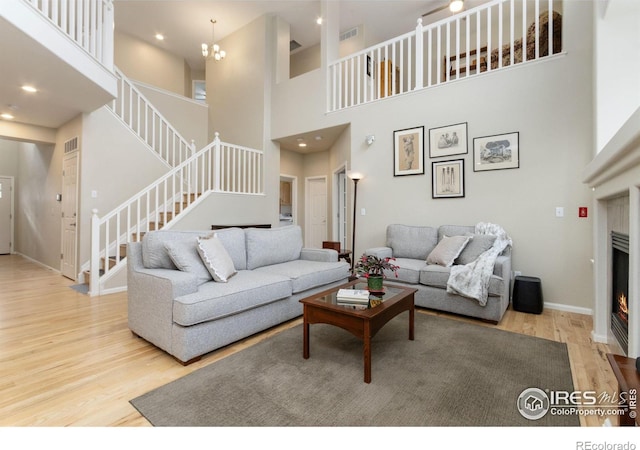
x=447 y=178
x=501 y=151
x=408 y=151
x=448 y=141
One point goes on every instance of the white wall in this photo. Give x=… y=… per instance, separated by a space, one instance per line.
x=37 y=222
x=548 y=103
x=189 y=117
x=617 y=31
x=115 y=164
x=8 y=158
x=150 y=64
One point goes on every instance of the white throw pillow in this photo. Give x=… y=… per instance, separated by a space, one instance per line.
x=216 y=258
x=447 y=250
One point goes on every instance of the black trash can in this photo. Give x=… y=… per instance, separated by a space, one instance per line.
x=527 y=295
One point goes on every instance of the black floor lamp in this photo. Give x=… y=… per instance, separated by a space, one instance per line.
x=355 y=176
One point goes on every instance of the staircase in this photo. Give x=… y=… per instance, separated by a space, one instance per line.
x=118 y=257
x=219 y=168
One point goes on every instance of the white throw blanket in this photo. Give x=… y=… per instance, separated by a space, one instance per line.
x=472 y=280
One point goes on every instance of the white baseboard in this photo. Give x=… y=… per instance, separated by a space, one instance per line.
x=114 y=290
x=38 y=263
x=569 y=308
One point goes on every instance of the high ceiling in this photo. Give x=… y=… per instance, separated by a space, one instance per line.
x=186 y=24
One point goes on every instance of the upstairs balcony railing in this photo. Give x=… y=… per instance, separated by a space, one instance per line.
x=87 y=22
x=483 y=39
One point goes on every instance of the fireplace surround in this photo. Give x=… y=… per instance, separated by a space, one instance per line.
x=613 y=175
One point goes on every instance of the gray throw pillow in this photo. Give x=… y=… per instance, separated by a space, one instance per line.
x=216 y=258
x=185 y=256
x=447 y=250
x=478 y=244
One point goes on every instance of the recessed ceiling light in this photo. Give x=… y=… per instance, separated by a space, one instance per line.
x=318 y=138
x=159 y=37
x=319 y=20
x=7 y=116
x=28 y=88
x=302 y=144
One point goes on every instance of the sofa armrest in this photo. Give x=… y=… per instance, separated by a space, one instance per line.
x=319 y=254
x=380 y=252
x=502 y=267
x=151 y=293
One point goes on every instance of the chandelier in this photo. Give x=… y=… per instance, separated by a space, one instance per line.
x=214 y=51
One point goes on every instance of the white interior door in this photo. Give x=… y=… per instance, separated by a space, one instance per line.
x=69 y=215
x=317 y=212
x=6 y=219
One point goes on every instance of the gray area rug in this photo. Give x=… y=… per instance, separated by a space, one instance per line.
x=453 y=374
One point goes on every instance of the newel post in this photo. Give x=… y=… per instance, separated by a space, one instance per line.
x=419 y=56
x=94 y=268
x=217 y=165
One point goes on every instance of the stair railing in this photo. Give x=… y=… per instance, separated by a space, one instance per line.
x=88 y=22
x=485 y=38
x=219 y=167
x=146 y=122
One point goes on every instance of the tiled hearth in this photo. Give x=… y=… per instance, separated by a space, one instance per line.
x=614 y=176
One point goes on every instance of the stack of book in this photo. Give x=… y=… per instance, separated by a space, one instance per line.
x=357 y=298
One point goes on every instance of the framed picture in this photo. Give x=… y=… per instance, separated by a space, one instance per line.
x=408 y=151
x=448 y=178
x=449 y=140
x=500 y=151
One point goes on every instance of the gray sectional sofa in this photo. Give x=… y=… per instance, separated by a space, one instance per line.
x=187 y=314
x=412 y=246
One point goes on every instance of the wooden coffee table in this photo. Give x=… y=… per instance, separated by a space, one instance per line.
x=363 y=323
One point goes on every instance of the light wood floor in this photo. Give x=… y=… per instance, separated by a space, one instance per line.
x=69 y=359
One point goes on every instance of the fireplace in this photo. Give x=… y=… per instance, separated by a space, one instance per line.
x=620 y=289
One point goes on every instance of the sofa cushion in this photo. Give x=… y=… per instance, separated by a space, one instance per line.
x=411 y=241
x=478 y=244
x=154 y=252
x=216 y=259
x=409 y=270
x=447 y=250
x=245 y=291
x=309 y=274
x=272 y=245
x=184 y=254
x=233 y=240
x=455 y=230
x=438 y=276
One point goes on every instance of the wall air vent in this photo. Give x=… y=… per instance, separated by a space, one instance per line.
x=294 y=45
x=353 y=32
x=71 y=145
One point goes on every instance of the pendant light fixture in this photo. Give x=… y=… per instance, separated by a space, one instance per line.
x=213 y=51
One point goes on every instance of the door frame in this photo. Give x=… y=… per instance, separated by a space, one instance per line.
x=307 y=205
x=75 y=154
x=335 y=205
x=12 y=181
x=294 y=195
